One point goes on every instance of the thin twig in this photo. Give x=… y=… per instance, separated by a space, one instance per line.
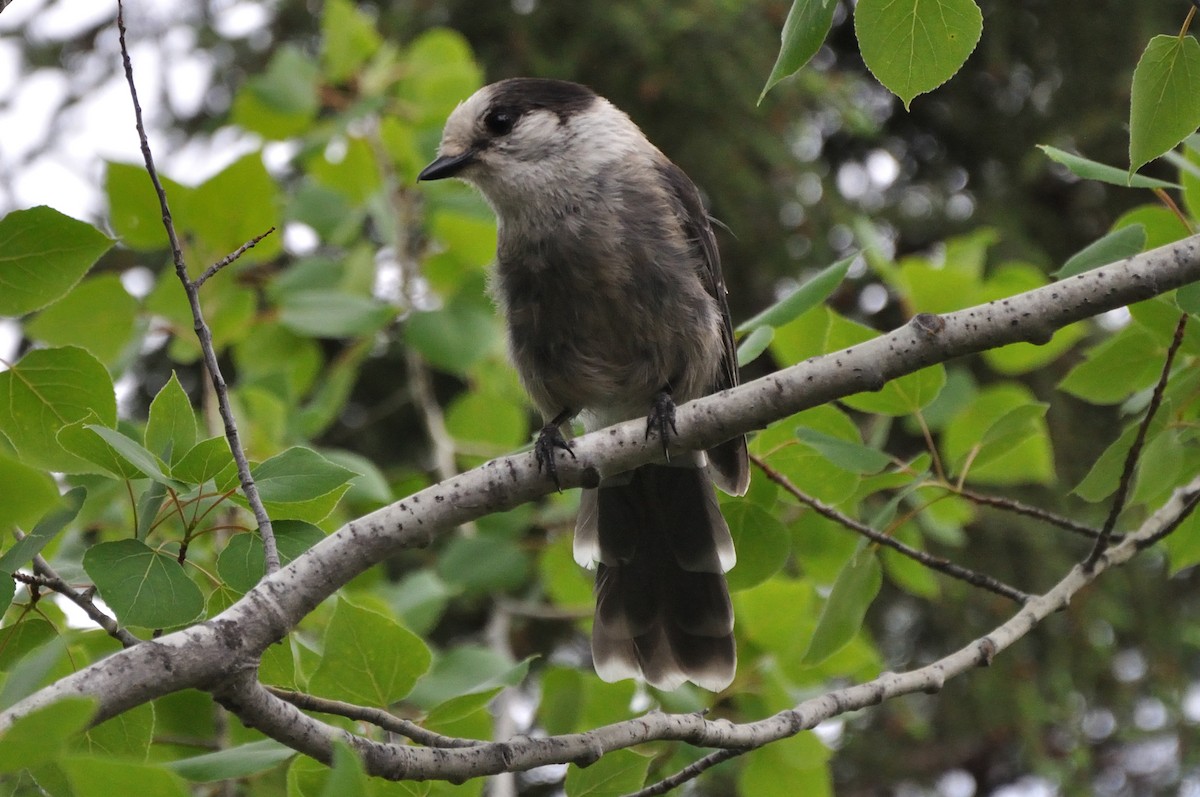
x=203 y=333
x=229 y=258
x=690 y=772
x=938 y=563
x=1035 y=512
x=376 y=716
x=1135 y=450
x=46 y=576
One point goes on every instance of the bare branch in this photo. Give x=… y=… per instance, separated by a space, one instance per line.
x=938 y=563
x=48 y=578
x=376 y=716
x=221 y=654
x=1035 y=512
x=203 y=333
x=282 y=721
x=1135 y=450
x=230 y=258
x=690 y=772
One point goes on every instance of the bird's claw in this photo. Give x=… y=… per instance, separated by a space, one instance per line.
x=661 y=419
x=550 y=438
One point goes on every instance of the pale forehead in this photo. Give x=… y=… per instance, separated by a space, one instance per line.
x=462 y=121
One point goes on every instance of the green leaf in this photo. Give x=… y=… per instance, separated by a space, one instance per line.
x=23 y=551
x=34 y=659
x=761 y=541
x=1127 y=362
x=484 y=564
x=241 y=563
x=1183 y=545
x=487 y=419
x=803 y=465
x=466 y=670
x=1162 y=226
x=1164 y=99
x=1006 y=433
x=454 y=338
x=171 y=427
x=848 y=454
x=842 y=615
x=142 y=586
x=903 y=396
x=233 y=762
x=1091 y=170
x=40 y=736
x=127 y=735
x=74 y=321
x=93 y=776
x=227 y=210
x=804 y=31
x=47 y=390
x=369 y=658
x=912 y=47
x=1004 y=406
x=28 y=492
x=1159 y=468
x=908 y=574
x=1104 y=476
x=348 y=40
x=282 y=102
x=1116 y=245
x=330 y=314
x=1189 y=175
x=441 y=71
x=132 y=452
x=754 y=344
x=793 y=766
x=42 y=255
x=619 y=772
x=133 y=209
x=298 y=474
x=204 y=461
x=807 y=296
x=81 y=440
x=346 y=776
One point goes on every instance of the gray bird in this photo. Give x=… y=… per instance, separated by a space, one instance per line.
x=608 y=275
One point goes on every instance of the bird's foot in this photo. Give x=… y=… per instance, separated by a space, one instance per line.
x=661 y=419
x=550 y=438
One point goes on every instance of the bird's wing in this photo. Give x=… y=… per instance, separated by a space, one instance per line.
x=729 y=461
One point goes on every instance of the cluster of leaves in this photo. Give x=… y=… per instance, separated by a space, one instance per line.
x=912 y=48
x=154 y=522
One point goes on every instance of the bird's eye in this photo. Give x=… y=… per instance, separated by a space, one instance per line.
x=500 y=122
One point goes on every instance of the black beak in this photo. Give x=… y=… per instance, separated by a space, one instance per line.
x=446 y=166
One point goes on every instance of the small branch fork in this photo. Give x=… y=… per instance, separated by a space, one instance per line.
x=192 y=289
x=1135 y=450
x=937 y=563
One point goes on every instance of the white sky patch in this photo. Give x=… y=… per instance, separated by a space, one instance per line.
x=10 y=338
x=76 y=617
x=67 y=19
x=29 y=113
x=239 y=20
x=883 y=168
x=1115 y=319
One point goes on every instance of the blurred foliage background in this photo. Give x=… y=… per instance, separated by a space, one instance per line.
x=1102 y=699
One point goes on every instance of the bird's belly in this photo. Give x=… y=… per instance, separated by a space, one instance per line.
x=603 y=359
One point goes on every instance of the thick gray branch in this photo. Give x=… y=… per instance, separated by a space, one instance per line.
x=219 y=654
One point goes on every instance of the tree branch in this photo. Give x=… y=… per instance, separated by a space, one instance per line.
x=1135 y=449
x=221 y=654
x=203 y=333
x=938 y=563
